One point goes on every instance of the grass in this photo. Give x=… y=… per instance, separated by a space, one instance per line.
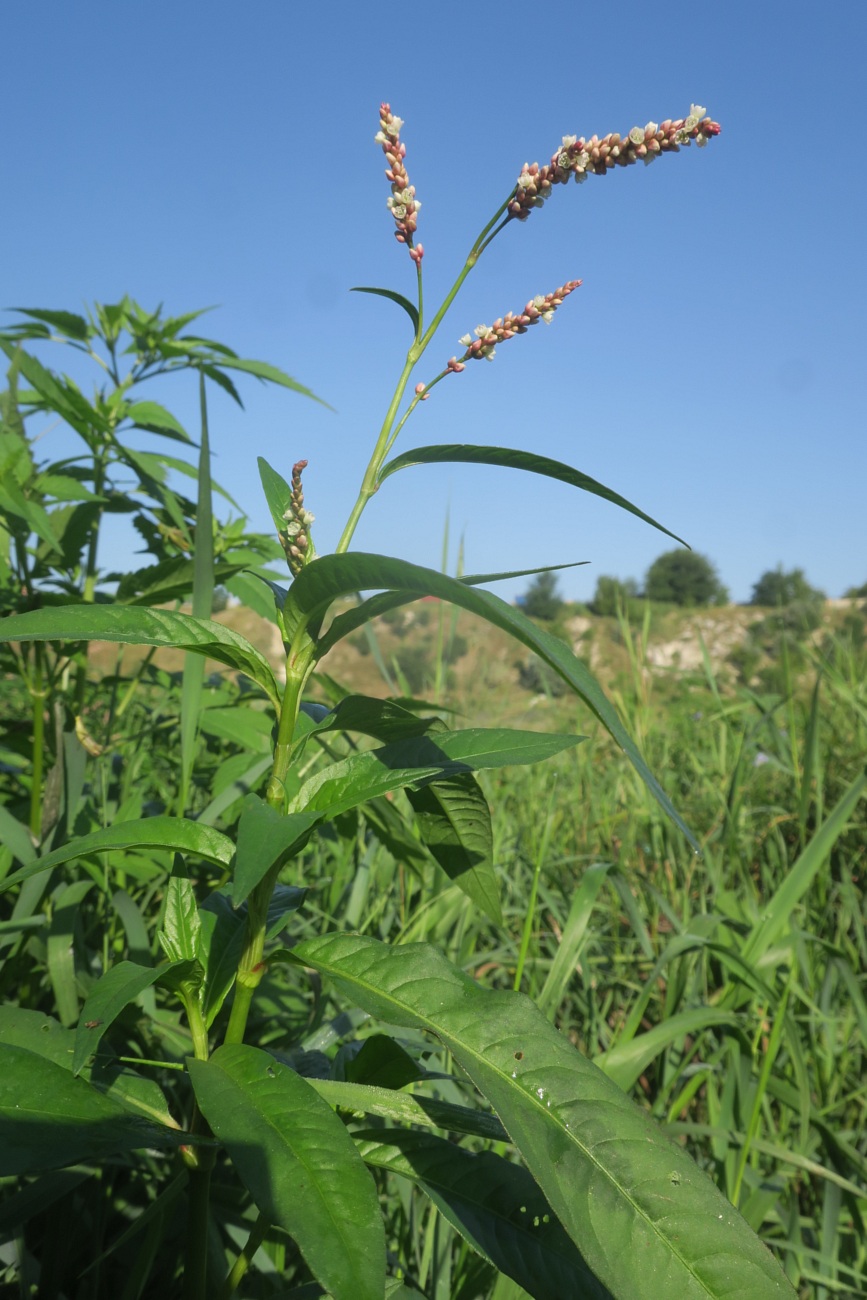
x=725 y=991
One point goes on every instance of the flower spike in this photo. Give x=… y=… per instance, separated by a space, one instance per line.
x=295 y=533
x=542 y=307
x=403 y=203
x=579 y=157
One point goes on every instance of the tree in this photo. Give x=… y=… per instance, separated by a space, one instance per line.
x=684 y=578
x=776 y=588
x=542 y=600
x=612 y=594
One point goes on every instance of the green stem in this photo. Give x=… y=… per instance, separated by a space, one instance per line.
x=257 y=1235
x=369 y=484
x=198 y=1216
x=37 y=695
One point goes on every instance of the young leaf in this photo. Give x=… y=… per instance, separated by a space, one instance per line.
x=278 y=493
x=173 y=833
x=608 y=1172
x=512 y=459
x=179 y=935
x=411 y=311
x=299 y=1164
x=495 y=1206
x=157 y=627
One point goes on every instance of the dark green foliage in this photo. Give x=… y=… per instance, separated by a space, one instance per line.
x=542 y=600
x=613 y=595
x=777 y=587
x=684 y=578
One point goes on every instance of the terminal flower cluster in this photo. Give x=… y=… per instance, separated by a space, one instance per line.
x=579 y=157
x=403 y=204
x=542 y=307
x=295 y=533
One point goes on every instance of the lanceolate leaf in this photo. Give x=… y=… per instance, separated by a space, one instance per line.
x=351 y=781
x=132 y=626
x=333 y=575
x=405 y=303
x=513 y=459
x=454 y=822
x=278 y=493
x=646 y=1219
x=269 y=374
x=49 y=1119
x=118 y=987
x=494 y=1204
x=265 y=839
x=299 y=1164
x=173 y=833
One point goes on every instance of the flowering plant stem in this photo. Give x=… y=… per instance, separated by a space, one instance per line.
x=389 y=431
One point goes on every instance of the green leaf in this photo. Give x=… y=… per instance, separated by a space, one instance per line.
x=626 y=1062
x=411 y=311
x=382 y=1063
x=65 y=322
x=403 y=1108
x=115 y=990
x=278 y=493
x=608 y=1172
x=384 y=720
x=172 y=833
x=454 y=822
x=157 y=627
x=495 y=1206
x=222 y=939
x=168 y=580
x=512 y=459
x=361 y=776
x=330 y=576
x=777 y=914
x=60 y=955
x=48 y=1119
x=268 y=374
x=266 y=839
x=16 y=837
x=156 y=419
x=240 y=726
x=299 y=1164
x=179 y=935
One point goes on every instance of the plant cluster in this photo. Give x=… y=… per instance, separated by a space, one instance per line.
x=210 y=1027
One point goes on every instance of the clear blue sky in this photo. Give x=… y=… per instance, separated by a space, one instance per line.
x=712 y=367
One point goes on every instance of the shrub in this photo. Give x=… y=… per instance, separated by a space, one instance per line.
x=541 y=600
x=684 y=578
x=612 y=594
x=776 y=587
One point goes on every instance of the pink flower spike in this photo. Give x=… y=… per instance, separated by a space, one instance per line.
x=403 y=203
x=579 y=157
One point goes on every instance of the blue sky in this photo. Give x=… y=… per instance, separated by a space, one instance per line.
x=711 y=368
